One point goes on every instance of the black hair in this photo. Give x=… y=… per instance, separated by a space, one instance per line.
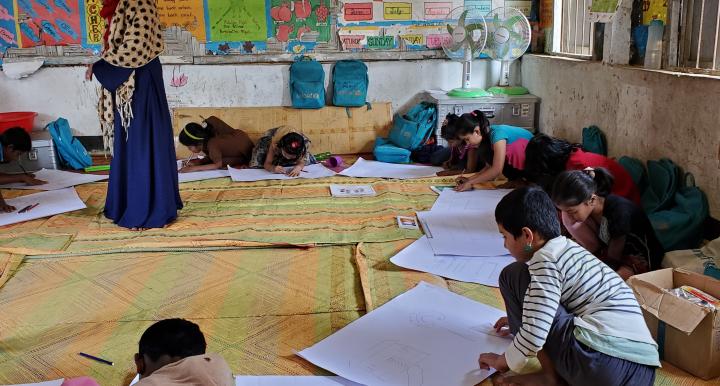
x=172 y=337
x=546 y=157
x=467 y=123
x=293 y=144
x=528 y=207
x=18 y=138
x=196 y=130
x=574 y=187
x=448 y=130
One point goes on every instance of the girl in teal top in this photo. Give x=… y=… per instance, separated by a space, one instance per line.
x=501 y=147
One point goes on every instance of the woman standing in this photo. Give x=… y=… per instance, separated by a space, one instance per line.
x=135 y=118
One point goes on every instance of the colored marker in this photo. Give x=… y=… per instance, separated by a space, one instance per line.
x=96 y=359
x=25 y=209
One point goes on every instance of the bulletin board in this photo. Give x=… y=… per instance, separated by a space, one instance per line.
x=209 y=31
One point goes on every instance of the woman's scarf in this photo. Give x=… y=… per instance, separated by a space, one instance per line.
x=133 y=39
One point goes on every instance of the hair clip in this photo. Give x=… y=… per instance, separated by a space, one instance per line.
x=589 y=171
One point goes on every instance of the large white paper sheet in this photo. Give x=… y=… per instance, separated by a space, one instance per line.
x=426 y=336
x=51 y=203
x=202 y=175
x=57 y=179
x=280 y=380
x=483 y=270
x=57 y=382
x=468 y=233
x=482 y=200
x=249 y=175
x=363 y=168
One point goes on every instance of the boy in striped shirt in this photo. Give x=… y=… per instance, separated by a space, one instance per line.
x=565 y=306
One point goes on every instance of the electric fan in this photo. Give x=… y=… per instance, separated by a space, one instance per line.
x=466 y=40
x=508 y=39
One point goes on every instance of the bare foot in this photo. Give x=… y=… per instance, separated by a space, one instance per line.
x=138 y=229
x=541 y=378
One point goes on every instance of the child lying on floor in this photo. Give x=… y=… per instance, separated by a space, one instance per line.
x=458 y=156
x=564 y=306
x=282 y=147
x=221 y=144
x=15 y=142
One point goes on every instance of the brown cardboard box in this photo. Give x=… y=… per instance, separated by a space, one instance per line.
x=688 y=335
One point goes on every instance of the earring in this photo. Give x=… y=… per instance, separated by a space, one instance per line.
x=528 y=248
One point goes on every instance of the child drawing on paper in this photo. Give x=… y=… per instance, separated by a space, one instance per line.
x=564 y=306
x=222 y=145
x=282 y=147
x=15 y=142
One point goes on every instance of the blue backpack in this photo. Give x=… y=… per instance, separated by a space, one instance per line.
x=412 y=130
x=307 y=83
x=71 y=151
x=350 y=83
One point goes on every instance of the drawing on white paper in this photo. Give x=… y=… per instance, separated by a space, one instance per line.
x=468 y=233
x=394 y=363
x=474 y=269
x=436 y=319
x=57 y=179
x=376 y=169
x=481 y=200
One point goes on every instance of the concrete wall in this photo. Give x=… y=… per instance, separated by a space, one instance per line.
x=644 y=114
x=62 y=91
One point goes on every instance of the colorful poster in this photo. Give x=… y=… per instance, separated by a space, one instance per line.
x=304 y=20
x=654 y=10
x=237 y=21
x=187 y=14
x=484 y=5
x=8 y=28
x=43 y=22
x=93 y=23
x=391 y=12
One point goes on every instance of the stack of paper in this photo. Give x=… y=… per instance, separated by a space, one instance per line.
x=48 y=203
x=202 y=175
x=57 y=179
x=363 y=168
x=426 y=336
x=461 y=239
x=249 y=175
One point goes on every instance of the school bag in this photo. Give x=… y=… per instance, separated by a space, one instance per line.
x=594 y=141
x=307 y=83
x=350 y=83
x=72 y=153
x=412 y=130
x=637 y=171
x=386 y=151
x=679 y=225
x=663 y=182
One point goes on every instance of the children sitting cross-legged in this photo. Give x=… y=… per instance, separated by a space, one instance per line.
x=564 y=306
x=172 y=352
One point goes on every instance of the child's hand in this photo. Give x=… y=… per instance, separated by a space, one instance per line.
x=295 y=171
x=279 y=169
x=464 y=186
x=185 y=169
x=30 y=179
x=461 y=180
x=492 y=360
x=4 y=207
x=501 y=326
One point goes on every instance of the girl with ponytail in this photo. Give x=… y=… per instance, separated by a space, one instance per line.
x=613 y=228
x=500 y=147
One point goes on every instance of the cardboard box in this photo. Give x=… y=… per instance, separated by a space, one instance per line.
x=688 y=335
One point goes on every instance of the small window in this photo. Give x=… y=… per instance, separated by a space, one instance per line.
x=700 y=28
x=572 y=33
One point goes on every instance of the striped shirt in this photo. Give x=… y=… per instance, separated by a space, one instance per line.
x=562 y=272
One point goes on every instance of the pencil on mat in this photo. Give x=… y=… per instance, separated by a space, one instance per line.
x=107 y=362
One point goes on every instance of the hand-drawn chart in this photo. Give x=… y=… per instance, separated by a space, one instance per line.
x=187 y=14
x=8 y=37
x=426 y=336
x=44 y=23
x=303 y=20
x=237 y=20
